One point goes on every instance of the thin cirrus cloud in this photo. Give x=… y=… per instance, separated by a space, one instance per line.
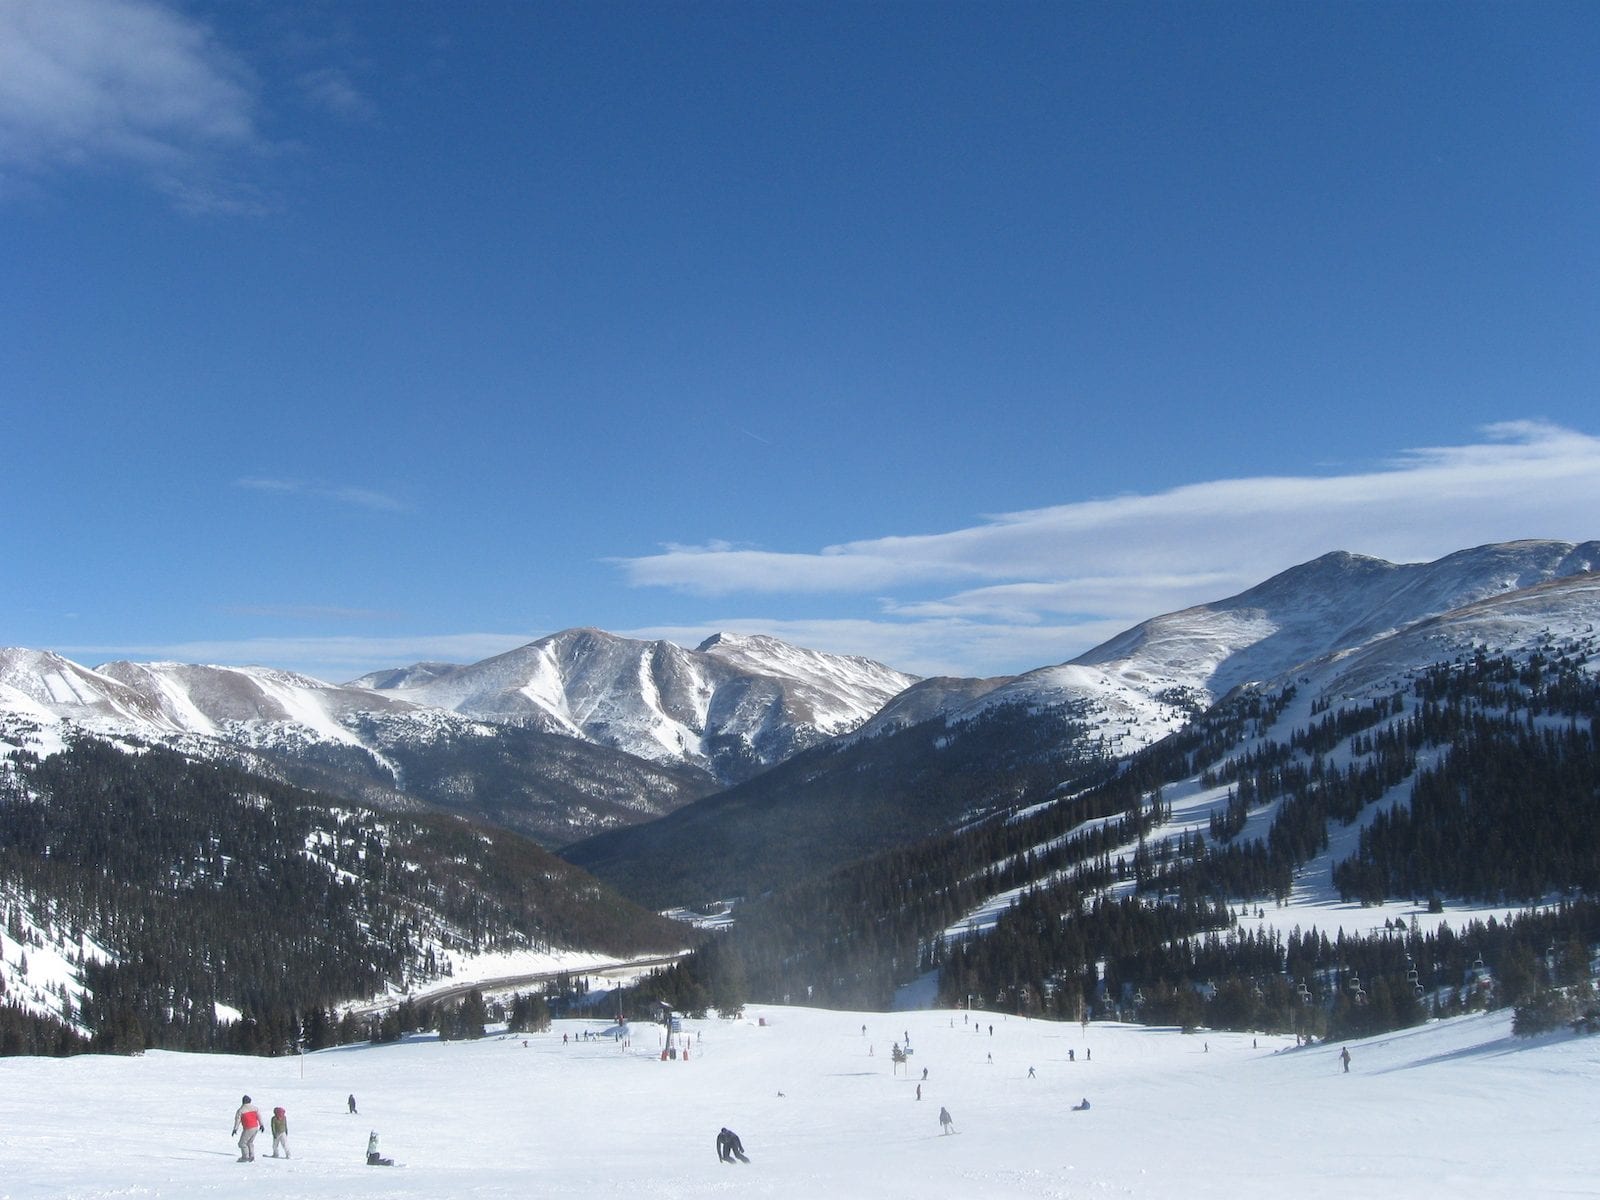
x=342 y=494
x=331 y=659
x=126 y=85
x=1090 y=562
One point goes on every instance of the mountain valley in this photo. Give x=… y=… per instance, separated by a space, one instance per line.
x=868 y=827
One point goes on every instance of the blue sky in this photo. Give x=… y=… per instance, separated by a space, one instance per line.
x=336 y=336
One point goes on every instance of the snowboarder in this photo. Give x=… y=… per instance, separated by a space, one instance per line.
x=246 y=1124
x=1082 y=1105
x=1344 y=1057
x=374 y=1159
x=946 y=1122
x=280 y=1132
x=352 y=1102
x=729 y=1147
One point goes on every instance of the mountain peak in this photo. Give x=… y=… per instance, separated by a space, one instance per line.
x=733 y=705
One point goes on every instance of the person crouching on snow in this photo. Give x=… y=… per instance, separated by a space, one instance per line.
x=729 y=1147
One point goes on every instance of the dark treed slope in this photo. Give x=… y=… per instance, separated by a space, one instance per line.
x=207 y=885
x=547 y=786
x=836 y=804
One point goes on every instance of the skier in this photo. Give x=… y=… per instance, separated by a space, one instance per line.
x=946 y=1122
x=280 y=1132
x=246 y=1124
x=1344 y=1057
x=374 y=1159
x=919 y=1091
x=729 y=1147
x=1031 y=1075
x=352 y=1102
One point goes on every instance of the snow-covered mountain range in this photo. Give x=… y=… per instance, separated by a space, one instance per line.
x=1340 y=613
x=585 y=730
x=947 y=751
x=574 y=733
x=732 y=706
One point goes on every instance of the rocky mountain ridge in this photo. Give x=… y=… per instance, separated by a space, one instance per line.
x=558 y=739
x=732 y=706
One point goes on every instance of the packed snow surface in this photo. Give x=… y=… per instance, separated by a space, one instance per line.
x=1451 y=1109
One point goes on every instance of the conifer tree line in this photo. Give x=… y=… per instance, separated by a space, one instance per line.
x=192 y=888
x=1476 y=780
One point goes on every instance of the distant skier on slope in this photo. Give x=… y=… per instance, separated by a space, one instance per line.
x=729 y=1147
x=946 y=1122
x=246 y=1124
x=1344 y=1057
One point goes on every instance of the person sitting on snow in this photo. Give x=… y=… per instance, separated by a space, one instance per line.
x=374 y=1159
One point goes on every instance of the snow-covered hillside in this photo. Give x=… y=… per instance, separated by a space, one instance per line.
x=1341 y=610
x=732 y=706
x=1454 y=1108
x=1558 y=618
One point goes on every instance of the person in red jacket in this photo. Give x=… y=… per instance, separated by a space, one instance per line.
x=247 y=1123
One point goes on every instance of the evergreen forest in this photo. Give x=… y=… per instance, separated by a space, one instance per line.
x=186 y=889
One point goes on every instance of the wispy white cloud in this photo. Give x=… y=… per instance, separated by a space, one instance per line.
x=1042 y=585
x=333 y=659
x=125 y=84
x=309 y=612
x=332 y=89
x=927 y=646
x=341 y=493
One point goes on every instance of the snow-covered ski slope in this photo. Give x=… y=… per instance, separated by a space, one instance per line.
x=1561 y=614
x=1452 y=1109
